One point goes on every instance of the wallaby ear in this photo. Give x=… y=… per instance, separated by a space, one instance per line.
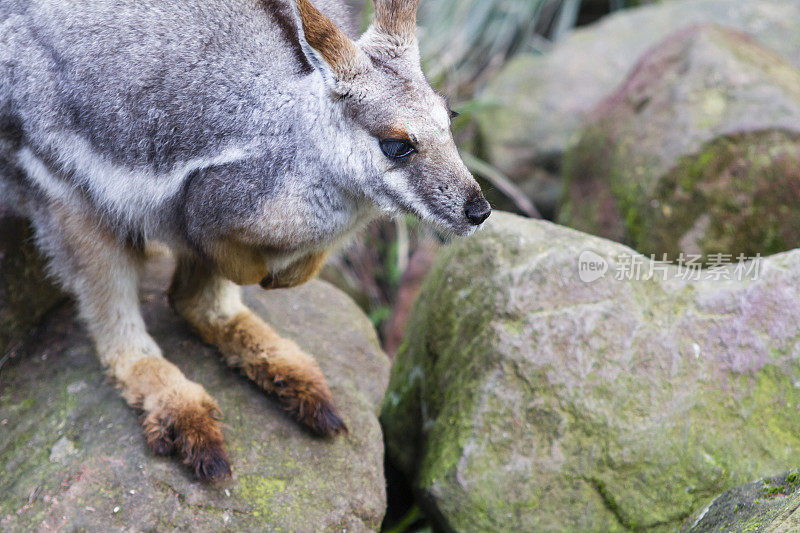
x=327 y=47
x=397 y=18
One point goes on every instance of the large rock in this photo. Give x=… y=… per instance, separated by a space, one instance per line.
x=538 y=102
x=765 y=505
x=525 y=399
x=73 y=455
x=25 y=293
x=698 y=152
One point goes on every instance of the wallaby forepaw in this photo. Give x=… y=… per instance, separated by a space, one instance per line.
x=304 y=395
x=210 y=464
x=325 y=421
x=193 y=433
x=318 y=415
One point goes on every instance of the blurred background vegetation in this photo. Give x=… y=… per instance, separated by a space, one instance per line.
x=464 y=43
x=521 y=397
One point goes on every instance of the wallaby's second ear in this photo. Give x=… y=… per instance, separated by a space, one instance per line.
x=397 y=18
x=392 y=34
x=327 y=47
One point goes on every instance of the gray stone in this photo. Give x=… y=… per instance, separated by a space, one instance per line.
x=698 y=152
x=62 y=450
x=73 y=455
x=771 y=504
x=538 y=102
x=525 y=399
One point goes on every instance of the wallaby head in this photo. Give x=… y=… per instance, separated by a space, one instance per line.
x=408 y=153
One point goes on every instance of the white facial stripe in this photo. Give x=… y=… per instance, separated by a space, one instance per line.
x=398 y=184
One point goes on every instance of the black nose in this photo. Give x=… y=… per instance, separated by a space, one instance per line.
x=477 y=210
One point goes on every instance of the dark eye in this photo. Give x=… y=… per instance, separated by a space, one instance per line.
x=396 y=148
x=453 y=114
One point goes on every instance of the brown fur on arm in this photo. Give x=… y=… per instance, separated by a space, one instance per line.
x=280 y=367
x=179 y=415
x=213 y=306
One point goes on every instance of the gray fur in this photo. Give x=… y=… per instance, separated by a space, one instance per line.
x=197 y=120
x=216 y=127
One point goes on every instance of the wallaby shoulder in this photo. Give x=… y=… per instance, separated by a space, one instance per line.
x=123 y=100
x=153 y=82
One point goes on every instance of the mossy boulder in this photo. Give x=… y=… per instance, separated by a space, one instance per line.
x=698 y=152
x=73 y=455
x=537 y=104
x=771 y=504
x=26 y=295
x=525 y=399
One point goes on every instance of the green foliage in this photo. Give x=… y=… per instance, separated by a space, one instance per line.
x=461 y=39
x=413 y=522
x=773 y=488
x=464 y=41
x=379 y=315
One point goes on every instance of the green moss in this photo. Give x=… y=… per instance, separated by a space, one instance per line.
x=745 y=198
x=780 y=486
x=590 y=201
x=770 y=491
x=260 y=492
x=735 y=194
x=17 y=407
x=470 y=399
x=712 y=108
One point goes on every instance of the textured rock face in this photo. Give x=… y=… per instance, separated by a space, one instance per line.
x=25 y=294
x=524 y=399
x=73 y=455
x=698 y=152
x=541 y=101
x=771 y=504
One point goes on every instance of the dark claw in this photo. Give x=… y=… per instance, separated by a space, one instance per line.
x=267 y=282
x=326 y=422
x=211 y=465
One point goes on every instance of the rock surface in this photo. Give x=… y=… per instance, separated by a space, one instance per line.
x=765 y=505
x=524 y=399
x=698 y=152
x=73 y=455
x=25 y=294
x=538 y=102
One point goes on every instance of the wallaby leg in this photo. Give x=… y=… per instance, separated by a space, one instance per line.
x=178 y=414
x=213 y=306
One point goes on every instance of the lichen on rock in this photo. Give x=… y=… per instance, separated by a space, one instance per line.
x=525 y=399
x=697 y=153
x=769 y=504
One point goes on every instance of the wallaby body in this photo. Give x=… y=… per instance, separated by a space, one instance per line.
x=251 y=136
